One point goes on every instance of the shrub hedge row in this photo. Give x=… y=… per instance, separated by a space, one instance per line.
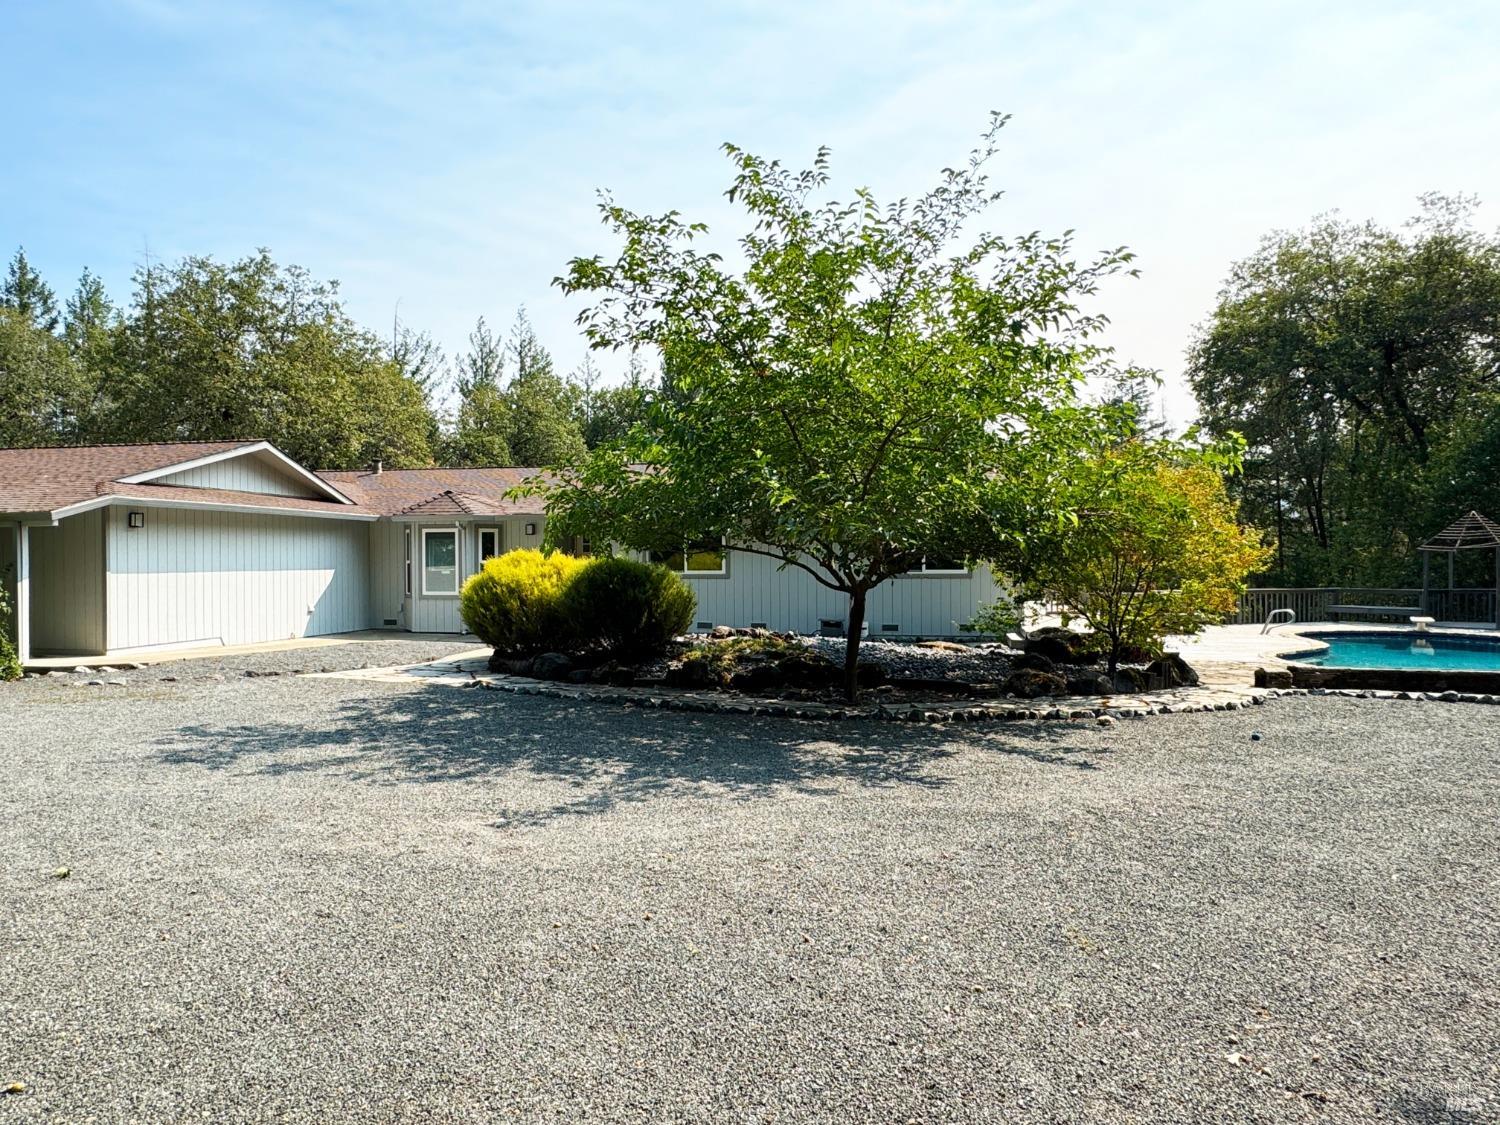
x=525 y=602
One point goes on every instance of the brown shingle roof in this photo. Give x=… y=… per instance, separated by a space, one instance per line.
x=44 y=480
x=402 y=492
x=50 y=479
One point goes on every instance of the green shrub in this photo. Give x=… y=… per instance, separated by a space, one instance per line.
x=10 y=663
x=513 y=602
x=630 y=609
x=997 y=618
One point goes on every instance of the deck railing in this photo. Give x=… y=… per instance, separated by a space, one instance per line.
x=1311 y=603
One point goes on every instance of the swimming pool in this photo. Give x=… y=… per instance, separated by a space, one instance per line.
x=1404 y=650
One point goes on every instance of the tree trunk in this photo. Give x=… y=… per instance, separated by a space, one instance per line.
x=1114 y=656
x=856 y=626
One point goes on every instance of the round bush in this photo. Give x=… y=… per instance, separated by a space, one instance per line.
x=630 y=609
x=512 y=603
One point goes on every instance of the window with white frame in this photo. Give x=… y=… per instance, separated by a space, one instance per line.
x=936 y=564
x=706 y=557
x=439 y=561
x=489 y=543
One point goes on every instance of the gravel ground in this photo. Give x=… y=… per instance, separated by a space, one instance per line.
x=326 y=900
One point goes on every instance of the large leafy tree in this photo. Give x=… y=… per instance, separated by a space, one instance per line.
x=870 y=388
x=1353 y=358
x=214 y=350
x=43 y=391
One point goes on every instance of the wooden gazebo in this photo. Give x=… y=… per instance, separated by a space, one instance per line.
x=1472 y=532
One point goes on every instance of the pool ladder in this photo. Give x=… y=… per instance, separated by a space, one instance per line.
x=1271 y=622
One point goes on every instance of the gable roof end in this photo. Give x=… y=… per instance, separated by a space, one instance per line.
x=310 y=478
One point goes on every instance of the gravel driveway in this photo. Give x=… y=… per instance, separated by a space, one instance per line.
x=302 y=899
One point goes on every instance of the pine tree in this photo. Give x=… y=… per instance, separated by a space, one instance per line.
x=26 y=293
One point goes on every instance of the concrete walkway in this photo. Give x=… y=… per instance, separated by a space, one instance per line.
x=139 y=658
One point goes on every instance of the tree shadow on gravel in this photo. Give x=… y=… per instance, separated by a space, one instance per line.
x=615 y=755
x=612 y=755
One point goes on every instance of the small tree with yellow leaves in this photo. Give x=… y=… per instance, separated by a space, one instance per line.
x=1153 y=548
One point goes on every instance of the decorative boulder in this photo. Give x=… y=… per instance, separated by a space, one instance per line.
x=756 y=677
x=1128 y=681
x=615 y=673
x=510 y=665
x=1172 y=671
x=1029 y=683
x=1050 y=648
x=551 y=666
x=1033 y=661
x=807 y=671
x=1273 y=677
x=690 y=674
x=1090 y=683
x=1061 y=646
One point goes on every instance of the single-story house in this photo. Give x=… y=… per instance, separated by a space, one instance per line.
x=131 y=548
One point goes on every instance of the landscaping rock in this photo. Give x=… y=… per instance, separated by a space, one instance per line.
x=756 y=677
x=1090 y=683
x=614 y=673
x=945 y=646
x=551 y=666
x=580 y=676
x=1032 y=683
x=1172 y=671
x=807 y=671
x=1273 y=677
x=510 y=665
x=1128 y=681
x=1034 y=661
x=1051 y=648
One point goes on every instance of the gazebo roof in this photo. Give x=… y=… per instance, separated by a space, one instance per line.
x=1471 y=532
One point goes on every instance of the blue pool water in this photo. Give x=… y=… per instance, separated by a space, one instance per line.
x=1405 y=650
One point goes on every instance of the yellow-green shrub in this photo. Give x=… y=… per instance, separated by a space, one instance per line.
x=512 y=602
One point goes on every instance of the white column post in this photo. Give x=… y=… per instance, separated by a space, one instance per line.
x=23 y=593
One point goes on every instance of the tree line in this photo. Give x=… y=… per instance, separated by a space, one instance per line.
x=208 y=350
x=1362 y=366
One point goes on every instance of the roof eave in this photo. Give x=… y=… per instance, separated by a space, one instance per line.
x=336 y=513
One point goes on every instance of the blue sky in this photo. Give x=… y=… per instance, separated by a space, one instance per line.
x=447 y=155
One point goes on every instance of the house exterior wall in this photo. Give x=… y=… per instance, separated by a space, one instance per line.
x=201 y=577
x=243 y=474
x=754 y=591
x=67 y=587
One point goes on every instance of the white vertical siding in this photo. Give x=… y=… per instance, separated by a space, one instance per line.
x=754 y=591
x=247 y=473
x=67 y=586
x=201 y=577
